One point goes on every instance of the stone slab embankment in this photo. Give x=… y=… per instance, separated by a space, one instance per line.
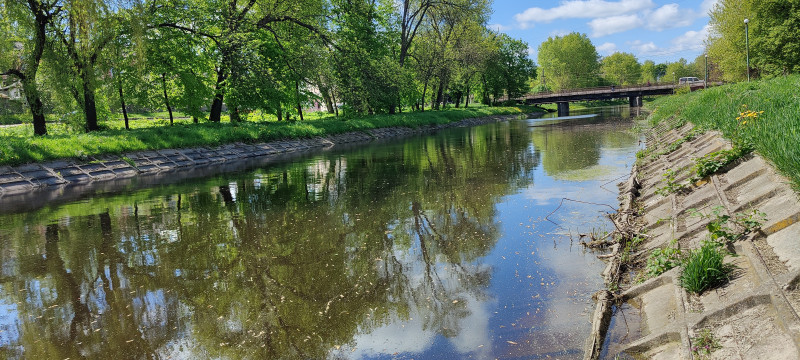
x=752 y=316
x=31 y=185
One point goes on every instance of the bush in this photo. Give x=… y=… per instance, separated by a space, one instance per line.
x=663 y=260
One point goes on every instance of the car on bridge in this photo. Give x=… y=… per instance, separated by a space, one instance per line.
x=689 y=80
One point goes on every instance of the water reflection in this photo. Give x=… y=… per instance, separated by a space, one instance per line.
x=410 y=247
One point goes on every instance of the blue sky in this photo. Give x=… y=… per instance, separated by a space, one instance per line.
x=658 y=30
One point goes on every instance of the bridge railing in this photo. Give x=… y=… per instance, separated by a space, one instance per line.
x=592 y=90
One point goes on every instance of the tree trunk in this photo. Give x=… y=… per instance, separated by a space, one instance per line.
x=166 y=98
x=35 y=104
x=335 y=107
x=89 y=104
x=194 y=118
x=216 y=105
x=326 y=96
x=297 y=93
x=466 y=99
x=424 y=90
x=433 y=99
x=122 y=103
x=440 y=94
x=279 y=113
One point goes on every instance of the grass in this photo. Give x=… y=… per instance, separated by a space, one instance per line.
x=762 y=115
x=18 y=145
x=705 y=268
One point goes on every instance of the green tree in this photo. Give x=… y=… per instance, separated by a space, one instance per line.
x=509 y=68
x=621 y=69
x=648 y=72
x=569 y=61
x=23 y=30
x=677 y=70
x=726 y=41
x=775 y=38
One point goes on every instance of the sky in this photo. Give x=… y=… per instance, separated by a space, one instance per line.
x=658 y=30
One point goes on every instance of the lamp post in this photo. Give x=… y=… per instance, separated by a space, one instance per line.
x=705 y=83
x=747 y=45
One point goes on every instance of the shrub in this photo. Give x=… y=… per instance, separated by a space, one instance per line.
x=663 y=260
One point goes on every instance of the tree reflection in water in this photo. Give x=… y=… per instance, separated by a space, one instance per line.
x=294 y=261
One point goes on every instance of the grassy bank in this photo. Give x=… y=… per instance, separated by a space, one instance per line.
x=764 y=115
x=18 y=145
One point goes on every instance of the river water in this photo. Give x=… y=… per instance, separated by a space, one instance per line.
x=448 y=245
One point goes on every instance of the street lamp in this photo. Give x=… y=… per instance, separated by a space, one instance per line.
x=747 y=45
x=705 y=84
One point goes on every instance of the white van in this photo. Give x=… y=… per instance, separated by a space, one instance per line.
x=688 y=80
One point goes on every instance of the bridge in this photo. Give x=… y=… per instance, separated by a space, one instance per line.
x=633 y=93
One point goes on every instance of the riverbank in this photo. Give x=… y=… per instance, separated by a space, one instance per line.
x=19 y=146
x=31 y=185
x=763 y=115
x=704 y=263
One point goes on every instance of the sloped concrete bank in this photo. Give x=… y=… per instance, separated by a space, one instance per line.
x=754 y=314
x=33 y=185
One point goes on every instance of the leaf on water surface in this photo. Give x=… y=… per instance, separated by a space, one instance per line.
x=511 y=342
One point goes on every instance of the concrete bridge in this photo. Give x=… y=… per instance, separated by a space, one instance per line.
x=633 y=93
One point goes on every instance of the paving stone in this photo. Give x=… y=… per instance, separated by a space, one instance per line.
x=184 y=163
x=50 y=181
x=149 y=168
x=57 y=164
x=36 y=175
x=169 y=152
x=68 y=171
x=16 y=187
x=10 y=178
x=92 y=167
x=28 y=168
x=119 y=164
x=78 y=178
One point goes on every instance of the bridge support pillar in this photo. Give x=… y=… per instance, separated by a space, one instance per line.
x=635 y=101
x=563 y=108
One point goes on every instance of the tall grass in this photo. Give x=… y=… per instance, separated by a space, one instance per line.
x=704 y=268
x=18 y=145
x=775 y=133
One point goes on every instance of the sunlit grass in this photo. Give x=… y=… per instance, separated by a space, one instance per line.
x=18 y=145
x=775 y=133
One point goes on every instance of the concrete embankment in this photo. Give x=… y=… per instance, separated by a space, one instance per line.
x=754 y=313
x=33 y=185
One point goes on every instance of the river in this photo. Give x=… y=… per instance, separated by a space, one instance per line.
x=456 y=244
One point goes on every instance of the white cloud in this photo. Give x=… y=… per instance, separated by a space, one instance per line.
x=643 y=48
x=615 y=24
x=707 y=6
x=559 y=32
x=499 y=27
x=585 y=9
x=669 y=16
x=691 y=40
x=607 y=48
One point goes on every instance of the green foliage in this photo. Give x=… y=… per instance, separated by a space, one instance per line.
x=724 y=228
x=662 y=260
x=705 y=268
x=704 y=344
x=569 y=61
x=713 y=162
x=18 y=147
x=773 y=31
x=683 y=90
x=510 y=68
x=621 y=69
x=776 y=132
x=671 y=184
x=630 y=247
